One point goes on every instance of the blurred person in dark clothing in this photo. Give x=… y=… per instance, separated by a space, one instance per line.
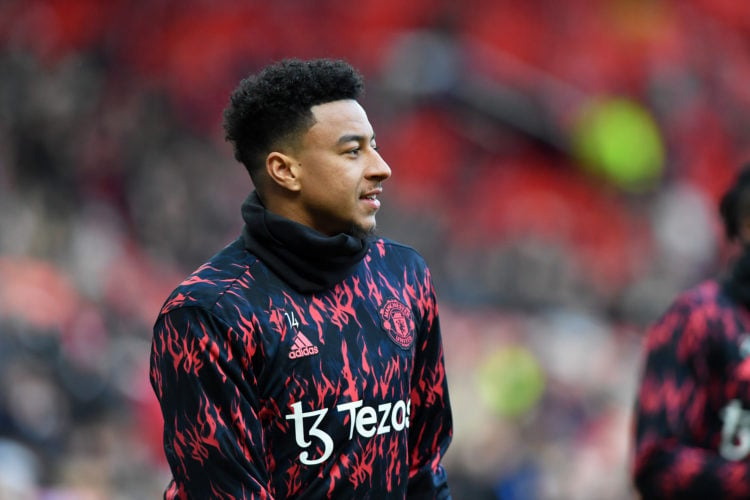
x=304 y=359
x=692 y=415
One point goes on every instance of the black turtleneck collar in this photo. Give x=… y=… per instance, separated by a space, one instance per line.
x=306 y=259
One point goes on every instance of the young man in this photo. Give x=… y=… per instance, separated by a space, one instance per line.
x=304 y=360
x=692 y=413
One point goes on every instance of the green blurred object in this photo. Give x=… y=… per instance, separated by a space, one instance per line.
x=510 y=381
x=619 y=140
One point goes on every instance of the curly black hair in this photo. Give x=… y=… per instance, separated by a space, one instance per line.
x=274 y=104
x=735 y=204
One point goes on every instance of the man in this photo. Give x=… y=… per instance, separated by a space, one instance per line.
x=692 y=413
x=305 y=359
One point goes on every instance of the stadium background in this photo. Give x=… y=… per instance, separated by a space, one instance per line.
x=557 y=163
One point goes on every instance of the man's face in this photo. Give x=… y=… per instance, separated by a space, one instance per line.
x=340 y=170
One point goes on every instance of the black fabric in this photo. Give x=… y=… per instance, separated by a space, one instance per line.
x=737 y=284
x=307 y=260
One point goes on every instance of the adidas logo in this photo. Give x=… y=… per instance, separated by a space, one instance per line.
x=302 y=347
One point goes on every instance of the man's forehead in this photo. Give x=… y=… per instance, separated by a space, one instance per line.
x=341 y=118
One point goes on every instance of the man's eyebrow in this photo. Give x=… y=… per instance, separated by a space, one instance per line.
x=354 y=138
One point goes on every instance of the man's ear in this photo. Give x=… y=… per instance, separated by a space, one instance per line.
x=283 y=170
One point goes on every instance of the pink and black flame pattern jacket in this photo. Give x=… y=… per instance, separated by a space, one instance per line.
x=294 y=365
x=692 y=415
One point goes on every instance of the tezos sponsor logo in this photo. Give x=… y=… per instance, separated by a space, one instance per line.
x=366 y=421
x=735 y=433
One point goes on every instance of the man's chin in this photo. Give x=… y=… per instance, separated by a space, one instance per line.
x=361 y=232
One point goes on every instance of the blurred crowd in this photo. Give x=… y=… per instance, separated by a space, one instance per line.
x=558 y=164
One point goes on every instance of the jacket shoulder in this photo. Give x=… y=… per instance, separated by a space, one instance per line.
x=386 y=248
x=205 y=286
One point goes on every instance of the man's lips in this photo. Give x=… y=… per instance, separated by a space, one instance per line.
x=372 y=197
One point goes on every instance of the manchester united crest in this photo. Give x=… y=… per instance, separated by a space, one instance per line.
x=398 y=321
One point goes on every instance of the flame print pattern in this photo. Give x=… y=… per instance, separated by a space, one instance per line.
x=692 y=361
x=239 y=413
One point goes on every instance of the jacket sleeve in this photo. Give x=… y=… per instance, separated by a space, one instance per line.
x=674 y=415
x=201 y=372
x=431 y=425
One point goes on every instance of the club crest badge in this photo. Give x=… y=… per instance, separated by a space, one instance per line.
x=398 y=321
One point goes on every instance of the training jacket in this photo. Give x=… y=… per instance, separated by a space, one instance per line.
x=314 y=372
x=692 y=415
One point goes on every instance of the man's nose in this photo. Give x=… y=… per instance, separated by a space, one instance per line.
x=379 y=168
